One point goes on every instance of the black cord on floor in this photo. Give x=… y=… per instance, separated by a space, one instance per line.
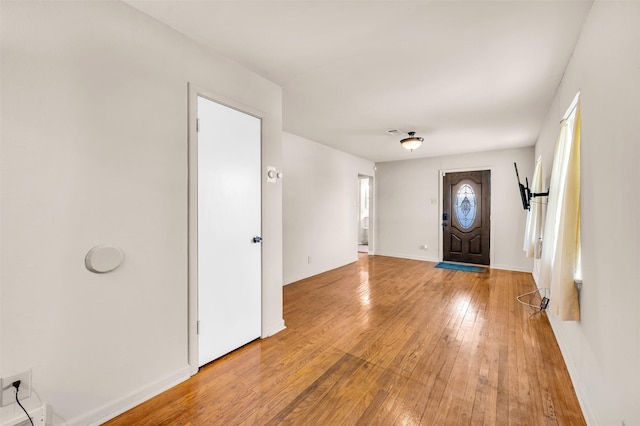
x=23 y=409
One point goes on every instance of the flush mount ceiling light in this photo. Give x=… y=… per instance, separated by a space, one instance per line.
x=412 y=142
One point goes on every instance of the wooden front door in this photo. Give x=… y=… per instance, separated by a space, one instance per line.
x=465 y=217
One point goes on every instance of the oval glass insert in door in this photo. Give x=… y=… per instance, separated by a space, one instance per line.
x=466 y=204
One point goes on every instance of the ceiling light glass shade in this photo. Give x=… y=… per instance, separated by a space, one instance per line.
x=412 y=142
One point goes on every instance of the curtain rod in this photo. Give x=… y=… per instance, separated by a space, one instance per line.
x=572 y=107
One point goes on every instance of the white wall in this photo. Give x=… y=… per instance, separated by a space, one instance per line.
x=408 y=198
x=320 y=200
x=94 y=150
x=602 y=350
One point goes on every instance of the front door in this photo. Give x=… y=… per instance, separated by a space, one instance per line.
x=229 y=222
x=466 y=216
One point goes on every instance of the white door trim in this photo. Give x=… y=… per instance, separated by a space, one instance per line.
x=371 y=211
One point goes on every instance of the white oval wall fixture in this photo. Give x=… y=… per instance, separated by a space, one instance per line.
x=103 y=258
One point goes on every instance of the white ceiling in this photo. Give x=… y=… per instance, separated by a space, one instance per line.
x=468 y=76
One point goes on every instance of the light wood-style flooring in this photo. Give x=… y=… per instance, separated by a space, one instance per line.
x=386 y=341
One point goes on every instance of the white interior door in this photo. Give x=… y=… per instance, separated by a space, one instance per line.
x=229 y=217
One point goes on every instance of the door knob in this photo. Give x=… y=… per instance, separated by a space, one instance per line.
x=257 y=239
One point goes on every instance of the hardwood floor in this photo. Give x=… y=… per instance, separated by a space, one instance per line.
x=386 y=341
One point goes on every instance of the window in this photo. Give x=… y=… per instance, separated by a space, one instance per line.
x=560 y=263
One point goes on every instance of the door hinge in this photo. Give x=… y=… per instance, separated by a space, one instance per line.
x=198 y=327
x=197 y=124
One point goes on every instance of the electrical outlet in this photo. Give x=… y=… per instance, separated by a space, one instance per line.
x=544 y=303
x=8 y=395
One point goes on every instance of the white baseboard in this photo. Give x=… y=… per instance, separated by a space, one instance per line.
x=512 y=268
x=435 y=259
x=581 y=393
x=117 y=407
x=276 y=328
x=408 y=256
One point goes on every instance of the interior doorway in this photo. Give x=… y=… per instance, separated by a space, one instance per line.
x=365 y=210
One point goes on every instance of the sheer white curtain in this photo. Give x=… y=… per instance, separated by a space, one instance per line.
x=561 y=241
x=534 y=216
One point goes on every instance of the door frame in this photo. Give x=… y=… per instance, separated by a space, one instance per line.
x=193 y=92
x=441 y=174
x=371 y=211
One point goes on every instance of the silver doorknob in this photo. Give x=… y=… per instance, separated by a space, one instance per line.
x=257 y=239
